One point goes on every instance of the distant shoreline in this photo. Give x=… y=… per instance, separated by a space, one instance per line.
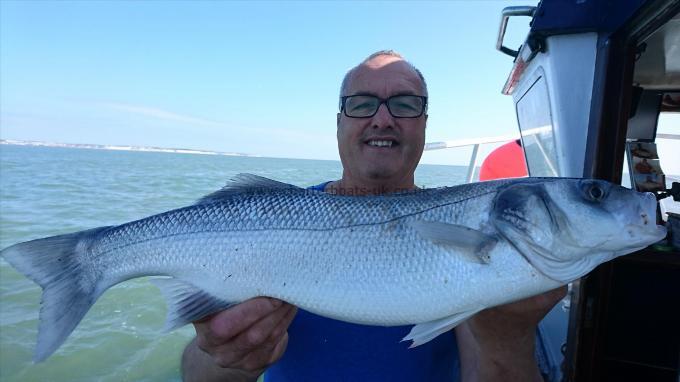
x=120 y=148
x=15 y=142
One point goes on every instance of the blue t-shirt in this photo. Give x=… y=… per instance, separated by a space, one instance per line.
x=322 y=349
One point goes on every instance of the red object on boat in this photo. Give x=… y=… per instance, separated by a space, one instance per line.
x=506 y=161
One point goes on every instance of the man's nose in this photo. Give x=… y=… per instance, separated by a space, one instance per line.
x=382 y=117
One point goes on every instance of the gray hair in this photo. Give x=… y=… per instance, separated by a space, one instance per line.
x=391 y=53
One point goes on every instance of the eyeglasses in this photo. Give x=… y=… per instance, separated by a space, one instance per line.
x=399 y=106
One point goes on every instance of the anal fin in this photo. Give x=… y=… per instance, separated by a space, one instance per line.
x=186 y=303
x=427 y=331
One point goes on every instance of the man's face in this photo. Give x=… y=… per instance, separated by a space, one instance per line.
x=358 y=138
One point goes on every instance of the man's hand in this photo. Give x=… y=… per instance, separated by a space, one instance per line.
x=242 y=341
x=498 y=344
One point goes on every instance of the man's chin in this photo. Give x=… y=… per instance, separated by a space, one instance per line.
x=381 y=173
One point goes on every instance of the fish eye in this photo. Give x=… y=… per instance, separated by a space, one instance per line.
x=595 y=192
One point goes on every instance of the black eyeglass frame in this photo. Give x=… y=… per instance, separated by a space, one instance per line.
x=343 y=101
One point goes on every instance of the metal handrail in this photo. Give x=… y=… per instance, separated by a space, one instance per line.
x=475 y=143
x=469 y=142
x=505 y=16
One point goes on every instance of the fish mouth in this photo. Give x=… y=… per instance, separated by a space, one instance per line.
x=648 y=233
x=382 y=142
x=649 y=204
x=642 y=224
x=647 y=212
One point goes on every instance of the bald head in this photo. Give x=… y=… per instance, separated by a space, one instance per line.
x=377 y=60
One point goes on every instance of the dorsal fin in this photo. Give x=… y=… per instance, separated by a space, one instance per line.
x=242 y=183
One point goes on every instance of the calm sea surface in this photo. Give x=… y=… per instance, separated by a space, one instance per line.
x=49 y=191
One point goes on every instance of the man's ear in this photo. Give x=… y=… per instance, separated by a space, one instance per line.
x=337 y=122
x=426 y=115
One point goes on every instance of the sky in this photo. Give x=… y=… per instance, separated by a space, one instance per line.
x=250 y=77
x=254 y=77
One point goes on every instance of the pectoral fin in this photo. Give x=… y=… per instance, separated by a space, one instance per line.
x=186 y=303
x=427 y=331
x=474 y=242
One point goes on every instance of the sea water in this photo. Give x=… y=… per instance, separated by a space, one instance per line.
x=47 y=191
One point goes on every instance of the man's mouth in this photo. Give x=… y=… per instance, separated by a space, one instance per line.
x=387 y=143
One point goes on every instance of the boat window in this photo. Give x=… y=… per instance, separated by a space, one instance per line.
x=535 y=123
x=661 y=157
x=625 y=178
x=668 y=140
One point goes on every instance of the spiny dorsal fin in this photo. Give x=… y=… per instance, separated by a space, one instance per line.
x=242 y=183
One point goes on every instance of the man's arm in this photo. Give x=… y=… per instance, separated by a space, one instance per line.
x=238 y=344
x=498 y=344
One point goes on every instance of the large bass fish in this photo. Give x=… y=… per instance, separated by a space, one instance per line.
x=431 y=257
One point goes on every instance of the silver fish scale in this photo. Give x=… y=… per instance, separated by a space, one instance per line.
x=291 y=243
x=386 y=260
x=289 y=209
x=252 y=243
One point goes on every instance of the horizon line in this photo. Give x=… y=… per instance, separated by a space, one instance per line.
x=171 y=150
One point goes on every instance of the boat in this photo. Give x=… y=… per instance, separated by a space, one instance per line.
x=589 y=84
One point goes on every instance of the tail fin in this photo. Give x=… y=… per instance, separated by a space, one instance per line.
x=69 y=287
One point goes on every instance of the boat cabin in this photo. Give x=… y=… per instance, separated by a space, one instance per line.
x=592 y=84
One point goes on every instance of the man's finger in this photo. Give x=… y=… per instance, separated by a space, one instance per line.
x=261 y=359
x=236 y=319
x=279 y=348
x=272 y=349
x=257 y=334
x=252 y=349
x=282 y=327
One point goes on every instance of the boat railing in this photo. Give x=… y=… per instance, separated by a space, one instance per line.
x=668 y=136
x=476 y=142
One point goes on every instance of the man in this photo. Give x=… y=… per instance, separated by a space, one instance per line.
x=381 y=136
